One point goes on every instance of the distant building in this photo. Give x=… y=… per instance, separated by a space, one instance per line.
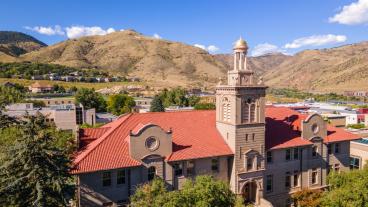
x=358 y=153
x=105 y=117
x=39 y=87
x=65 y=117
x=56 y=101
x=142 y=104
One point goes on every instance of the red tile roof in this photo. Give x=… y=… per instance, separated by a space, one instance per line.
x=283 y=129
x=90 y=134
x=194 y=136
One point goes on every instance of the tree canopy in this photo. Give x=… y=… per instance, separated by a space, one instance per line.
x=34 y=169
x=204 y=191
x=89 y=98
x=177 y=97
x=347 y=189
x=120 y=103
x=156 y=105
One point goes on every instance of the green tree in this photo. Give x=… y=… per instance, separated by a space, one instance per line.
x=120 y=103
x=347 y=189
x=9 y=95
x=153 y=194
x=307 y=198
x=193 y=100
x=204 y=191
x=205 y=106
x=89 y=98
x=156 y=105
x=35 y=172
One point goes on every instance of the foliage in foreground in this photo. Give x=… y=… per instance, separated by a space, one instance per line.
x=307 y=198
x=347 y=189
x=34 y=170
x=204 y=191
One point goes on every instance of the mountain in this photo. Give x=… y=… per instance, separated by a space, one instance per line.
x=260 y=64
x=162 y=62
x=328 y=70
x=167 y=63
x=13 y=44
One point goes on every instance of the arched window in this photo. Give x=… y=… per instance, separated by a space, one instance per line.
x=245 y=112
x=253 y=112
x=151 y=173
x=226 y=110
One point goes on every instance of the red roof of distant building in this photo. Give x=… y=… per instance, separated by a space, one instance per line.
x=194 y=136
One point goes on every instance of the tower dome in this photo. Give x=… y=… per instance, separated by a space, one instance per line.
x=240 y=44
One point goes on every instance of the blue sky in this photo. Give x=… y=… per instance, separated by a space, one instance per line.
x=283 y=25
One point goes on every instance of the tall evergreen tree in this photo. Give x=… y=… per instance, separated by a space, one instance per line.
x=157 y=105
x=35 y=172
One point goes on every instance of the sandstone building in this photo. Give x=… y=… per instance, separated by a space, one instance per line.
x=265 y=153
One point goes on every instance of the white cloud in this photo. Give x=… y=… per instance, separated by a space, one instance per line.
x=265 y=48
x=157 y=36
x=355 y=13
x=200 y=46
x=56 y=30
x=210 y=48
x=316 y=40
x=80 y=31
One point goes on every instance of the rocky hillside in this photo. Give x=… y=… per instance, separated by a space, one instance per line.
x=166 y=63
x=260 y=64
x=13 y=44
x=336 y=69
x=162 y=62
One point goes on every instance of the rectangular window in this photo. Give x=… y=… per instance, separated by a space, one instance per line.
x=246 y=137
x=287 y=179
x=288 y=154
x=296 y=153
x=106 y=179
x=269 y=183
x=215 y=165
x=178 y=169
x=296 y=179
x=190 y=167
x=314 y=176
x=329 y=149
x=314 y=151
x=337 y=148
x=354 y=163
x=269 y=157
x=253 y=137
x=120 y=179
x=249 y=163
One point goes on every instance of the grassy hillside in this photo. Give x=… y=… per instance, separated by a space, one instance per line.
x=160 y=62
x=328 y=70
x=13 y=44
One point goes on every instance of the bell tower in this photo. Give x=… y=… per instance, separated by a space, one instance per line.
x=240 y=118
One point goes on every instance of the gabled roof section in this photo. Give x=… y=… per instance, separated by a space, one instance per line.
x=194 y=136
x=283 y=129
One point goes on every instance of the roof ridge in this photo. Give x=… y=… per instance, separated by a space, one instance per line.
x=101 y=139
